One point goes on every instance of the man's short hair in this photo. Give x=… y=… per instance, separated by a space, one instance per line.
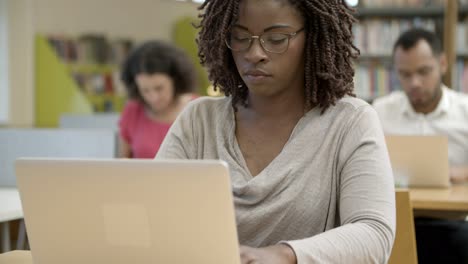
x=410 y=38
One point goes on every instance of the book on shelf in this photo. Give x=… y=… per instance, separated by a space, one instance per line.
x=374 y=79
x=461 y=75
x=462 y=36
x=91 y=49
x=376 y=36
x=94 y=61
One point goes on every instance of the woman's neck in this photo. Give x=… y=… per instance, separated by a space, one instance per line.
x=283 y=105
x=168 y=114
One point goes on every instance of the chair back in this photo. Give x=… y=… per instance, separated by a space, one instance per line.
x=404 y=249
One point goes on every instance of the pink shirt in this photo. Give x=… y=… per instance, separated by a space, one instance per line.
x=142 y=134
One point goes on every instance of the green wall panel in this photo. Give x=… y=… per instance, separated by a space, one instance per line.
x=184 y=37
x=56 y=90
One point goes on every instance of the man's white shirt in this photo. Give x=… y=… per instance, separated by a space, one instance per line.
x=450 y=118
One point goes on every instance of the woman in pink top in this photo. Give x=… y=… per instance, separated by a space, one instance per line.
x=159 y=79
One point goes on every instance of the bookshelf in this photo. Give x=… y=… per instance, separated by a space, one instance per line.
x=56 y=91
x=460 y=72
x=399 y=12
x=67 y=84
x=379 y=25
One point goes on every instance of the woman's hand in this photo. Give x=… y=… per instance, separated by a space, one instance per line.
x=277 y=254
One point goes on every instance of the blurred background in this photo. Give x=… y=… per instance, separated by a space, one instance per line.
x=63 y=57
x=60 y=62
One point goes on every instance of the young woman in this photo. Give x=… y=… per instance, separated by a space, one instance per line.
x=311 y=177
x=159 y=79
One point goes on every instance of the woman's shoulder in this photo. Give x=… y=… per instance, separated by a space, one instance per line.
x=130 y=115
x=203 y=113
x=205 y=105
x=349 y=111
x=132 y=109
x=352 y=103
x=133 y=105
x=348 y=106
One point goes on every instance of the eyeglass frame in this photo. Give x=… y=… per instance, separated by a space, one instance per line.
x=261 y=41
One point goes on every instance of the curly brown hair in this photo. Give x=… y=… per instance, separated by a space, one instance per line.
x=329 y=49
x=156 y=56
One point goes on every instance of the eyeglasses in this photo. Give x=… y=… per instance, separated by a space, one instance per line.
x=273 y=42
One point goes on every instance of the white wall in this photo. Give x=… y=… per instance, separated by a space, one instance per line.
x=21 y=63
x=4 y=77
x=138 y=19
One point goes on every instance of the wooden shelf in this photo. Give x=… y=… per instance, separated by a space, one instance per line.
x=399 y=12
x=384 y=57
x=106 y=102
x=406 y=12
x=92 y=68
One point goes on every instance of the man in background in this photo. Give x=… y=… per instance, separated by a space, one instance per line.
x=425 y=106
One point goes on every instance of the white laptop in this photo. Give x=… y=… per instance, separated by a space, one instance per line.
x=419 y=161
x=128 y=211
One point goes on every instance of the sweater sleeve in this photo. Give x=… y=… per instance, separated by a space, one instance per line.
x=366 y=200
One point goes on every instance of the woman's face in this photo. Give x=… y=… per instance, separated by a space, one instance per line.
x=157 y=90
x=266 y=73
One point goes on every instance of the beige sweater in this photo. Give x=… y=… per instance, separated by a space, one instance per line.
x=329 y=193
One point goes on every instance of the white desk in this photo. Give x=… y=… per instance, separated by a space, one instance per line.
x=10 y=209
x=16 y=257
x=10 y=205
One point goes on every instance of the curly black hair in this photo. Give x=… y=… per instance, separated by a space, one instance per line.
x=158 y=57
x=329 y=49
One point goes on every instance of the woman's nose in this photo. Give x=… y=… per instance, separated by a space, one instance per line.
x=256 y=52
